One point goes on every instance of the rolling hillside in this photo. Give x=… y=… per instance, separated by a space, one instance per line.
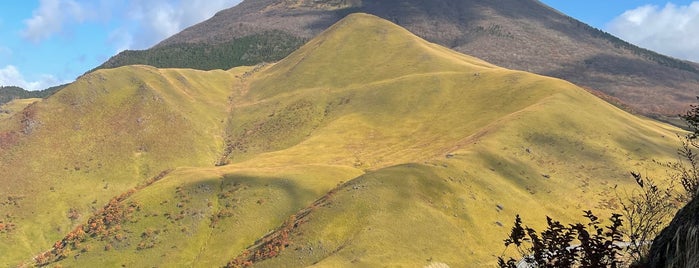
x=368 y=146
x=522 y=35
x=63 y=157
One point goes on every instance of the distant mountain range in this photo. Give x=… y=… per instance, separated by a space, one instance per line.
x=8 y=93
x=366 y=147
x=518 y=34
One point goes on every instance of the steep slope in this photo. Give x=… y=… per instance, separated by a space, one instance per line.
x=368 y=146
x=523 y=35
x=106 y=133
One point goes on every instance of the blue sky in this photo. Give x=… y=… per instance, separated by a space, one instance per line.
x=48 y=42
x=599 y=13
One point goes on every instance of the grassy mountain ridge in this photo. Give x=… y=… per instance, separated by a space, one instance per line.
x=368 y=146
x=141 y=121
x=522 y=35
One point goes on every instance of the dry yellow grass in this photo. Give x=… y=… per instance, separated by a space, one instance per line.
x=366 y=147
x=7 y=110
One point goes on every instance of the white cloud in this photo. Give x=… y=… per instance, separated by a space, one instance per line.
x=11 y=76
x=156 y=20
x=49 y=18
x=121 y=39
x=142 y=23
x=130 y=24
x=671 y=30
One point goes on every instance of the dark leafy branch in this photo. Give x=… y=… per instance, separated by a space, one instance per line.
x=573 y=245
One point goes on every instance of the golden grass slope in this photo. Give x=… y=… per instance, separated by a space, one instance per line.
x=533 y=145
x=366 y=147
x=104 y=134
x=14 y=106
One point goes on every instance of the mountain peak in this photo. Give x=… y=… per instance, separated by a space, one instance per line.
x=516 y=34
x=363 y=48
x=367 y=133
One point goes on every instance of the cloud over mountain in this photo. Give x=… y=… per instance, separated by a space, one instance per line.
x=670 y=29
x=159 y=19
x=139 y=23
x=11 y=76
x=111 y=25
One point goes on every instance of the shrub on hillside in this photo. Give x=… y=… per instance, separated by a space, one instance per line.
x=574 y=245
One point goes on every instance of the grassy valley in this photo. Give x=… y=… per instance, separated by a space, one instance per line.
x=368 y=146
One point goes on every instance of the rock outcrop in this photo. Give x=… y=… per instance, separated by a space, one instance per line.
x=677 y=246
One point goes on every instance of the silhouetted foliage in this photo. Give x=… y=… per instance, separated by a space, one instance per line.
x=687 y=172
x=650 y=207
x=556 y=246
x=646 y=211
x=687 y=169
